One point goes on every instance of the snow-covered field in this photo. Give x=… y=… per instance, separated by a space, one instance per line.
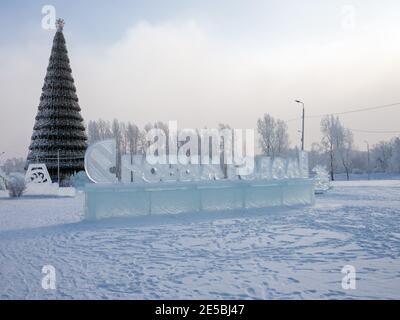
x=291 y=253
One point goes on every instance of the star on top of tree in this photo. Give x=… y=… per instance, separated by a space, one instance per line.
x=60 y=24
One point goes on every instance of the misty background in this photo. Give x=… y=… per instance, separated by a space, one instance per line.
x=206 y=62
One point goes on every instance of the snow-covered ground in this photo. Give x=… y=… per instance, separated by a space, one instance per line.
x=292 y=253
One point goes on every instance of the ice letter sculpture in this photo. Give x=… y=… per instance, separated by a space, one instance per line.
x=322 y=180
x=100 y=161
x=144 y=188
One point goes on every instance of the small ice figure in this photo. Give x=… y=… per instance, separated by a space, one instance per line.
x=322 y=180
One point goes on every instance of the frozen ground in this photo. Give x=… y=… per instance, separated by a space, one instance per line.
x=291 y=253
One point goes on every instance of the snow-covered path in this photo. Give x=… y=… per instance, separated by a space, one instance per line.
x=271 y=254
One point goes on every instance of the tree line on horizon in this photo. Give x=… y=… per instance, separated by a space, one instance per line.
x=336 y=151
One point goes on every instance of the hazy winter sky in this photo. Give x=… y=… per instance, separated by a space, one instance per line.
x=205 y=62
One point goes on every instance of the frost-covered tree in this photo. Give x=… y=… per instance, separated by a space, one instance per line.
x=117 y=133
x=104 y=128
x=266 y=129
x=337 y=142
x=281 y=138
x=59 y=132
x=274 y=137
x=16 y=184
x=99 y=130
x=395 y=159
x=317 y=155
x=381 y=154
x=329 y=129
x=93 y=132
x=14 y=165
x=3 y=179
x=133 y=138
x=345 y=147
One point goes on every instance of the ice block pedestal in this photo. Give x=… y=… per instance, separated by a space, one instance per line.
x=133 y=200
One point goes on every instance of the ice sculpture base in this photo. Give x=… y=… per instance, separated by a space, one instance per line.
x=48 y=190
x=133 y=200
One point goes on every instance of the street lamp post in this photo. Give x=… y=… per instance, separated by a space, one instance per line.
x=302 y=124
x=368 y=163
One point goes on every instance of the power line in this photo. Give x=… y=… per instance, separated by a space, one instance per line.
x=295 y=119
x=373 y=131
x=397 y=104
x=359 y=110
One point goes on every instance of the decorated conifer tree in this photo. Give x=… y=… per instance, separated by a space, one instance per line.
x=59 y=138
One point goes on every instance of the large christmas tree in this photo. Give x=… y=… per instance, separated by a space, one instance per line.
x=59 y=138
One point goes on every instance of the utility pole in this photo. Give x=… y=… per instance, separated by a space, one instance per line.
x=58 y=167
x=368 y=163
x=302 y=125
